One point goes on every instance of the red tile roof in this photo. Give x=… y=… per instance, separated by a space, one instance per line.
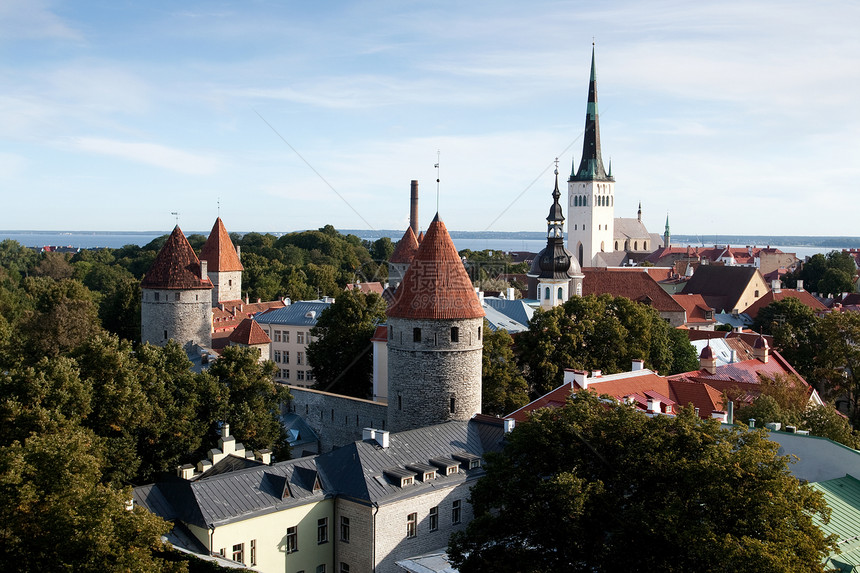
x=406 y=248
x=219 y=252
x=366 y=287
x=801 y=295
x=249 y=333
x=176 y=266
x=696 y=308
x=637 y=285
x=436 y=286
x=229 y=313
x=380 y=334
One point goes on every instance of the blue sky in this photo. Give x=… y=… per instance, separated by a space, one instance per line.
x=734 y=117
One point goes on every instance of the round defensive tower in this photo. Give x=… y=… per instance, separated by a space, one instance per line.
x=176 y=297
x=435 y=339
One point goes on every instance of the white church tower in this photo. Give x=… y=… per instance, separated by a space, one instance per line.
x=591 y=192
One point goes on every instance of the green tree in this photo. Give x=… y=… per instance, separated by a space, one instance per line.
x=792 y=325
x=254 y=402
x=835 y=281
x=340 y=353
x=503 y=388
x=56 y=514
x=598 y=333
x=596 y=486
x=837 y=358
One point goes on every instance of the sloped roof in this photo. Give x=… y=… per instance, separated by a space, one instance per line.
x=249 y=333
x=436 y=286
x=843 y=497
x=375 y=287
x=722 y=286
x=358 y=469
x=630 y=228
x=801 y=295
x=406 y=248
x=229 y=313
x=635 y=285
x=696 y=308
x=176 y=266
x=219 y=252
x=300 y=313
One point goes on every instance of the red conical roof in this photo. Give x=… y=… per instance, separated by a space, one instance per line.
x=436 y=285
x=249 y=333
x=219 y=252
x=406 y=248
x=176 y=266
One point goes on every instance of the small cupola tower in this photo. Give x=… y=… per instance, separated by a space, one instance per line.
x=176 y=297
x=435 y=339
x=223 y=266
x=555 y=273
x=591 y=191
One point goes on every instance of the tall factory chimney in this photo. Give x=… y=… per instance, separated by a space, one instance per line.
x=413 y=207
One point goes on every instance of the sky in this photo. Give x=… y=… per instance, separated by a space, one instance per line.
x=730 y=117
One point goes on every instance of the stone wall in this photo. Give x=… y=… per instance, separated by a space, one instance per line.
x=337 y=420
x=424 y=376
x=357 y=551
x=183 y=315
x=227 y=285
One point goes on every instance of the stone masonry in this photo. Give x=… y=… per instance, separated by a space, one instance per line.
x=337 y=420
x=436 y=379
x=183 y=315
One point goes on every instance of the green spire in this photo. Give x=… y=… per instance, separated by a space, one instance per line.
x=591 y=165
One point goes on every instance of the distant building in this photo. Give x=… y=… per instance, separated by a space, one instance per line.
x=289 y=330
x=727 y=288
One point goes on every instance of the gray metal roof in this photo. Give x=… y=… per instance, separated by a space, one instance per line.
x=357 y=470
x=515 y=310
x=233 y=496
x=300 y=313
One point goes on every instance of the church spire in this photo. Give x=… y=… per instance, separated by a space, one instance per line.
x=667 y=236
x=639 y=213
x=555 y=219
x=591 y=165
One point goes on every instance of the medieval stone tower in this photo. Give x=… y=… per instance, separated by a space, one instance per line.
x=591 y=191
x=435 y=339
x=223 y=266
x=176 y=298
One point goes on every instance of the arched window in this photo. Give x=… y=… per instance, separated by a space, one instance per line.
x=581 y=251
x=601 y=246
x=635 y=245
x=560 y=293
x=546 y=293
x=616 y=245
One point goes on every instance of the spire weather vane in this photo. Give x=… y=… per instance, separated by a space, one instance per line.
x=176 y=215
x=438 y=154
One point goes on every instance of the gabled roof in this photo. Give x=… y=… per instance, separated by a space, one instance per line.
x=375 y=287
x=722 y=286
x=631 y=228
x=249 y=333
x=436 y=286
x=637 y=285
x=176 y=266
x=229 y=313
x=358 y=469
x=772 y=296
x=219 y=252
x=696 y=308
x=406 y=248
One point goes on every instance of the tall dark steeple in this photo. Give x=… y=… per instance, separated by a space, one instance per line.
x=591 y=165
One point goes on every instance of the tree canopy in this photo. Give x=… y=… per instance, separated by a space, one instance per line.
x=340 y=352
x=598 y=486
x=503 y=387
x=599 y=333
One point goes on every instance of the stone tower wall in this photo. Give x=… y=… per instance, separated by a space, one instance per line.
x=183 y=315
x=227 y=285
x=424 y=376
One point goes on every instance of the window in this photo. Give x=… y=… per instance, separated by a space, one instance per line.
x=309 y=374
x=756 y=293
x=453 y=404
x=176 y=296
x=277 y=336
x=229 y=282
x=455 y=334
x=321 y=568
x=416 y=335
x=300 y=374
x=286 y=374
x=300 y=338
x=344 y=568
x=292 y=539
x=300 y=357
x=322 y=530
x=411 y=525
x=434 y=518
x=286 y=356
x=479 y=333
x=456 y=511
x=277 y=355
x=560 y=293
x=344 y=529
x=165 y=335
x=546 y=293
x=287 y=336
x=158 y=296
x=399 y=402
x=253 y=552
x=239 y=552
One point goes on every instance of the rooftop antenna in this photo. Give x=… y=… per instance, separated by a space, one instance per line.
x=438 y=153
x=176 y=216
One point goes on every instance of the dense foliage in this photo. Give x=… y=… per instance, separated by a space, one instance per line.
x=597 y=486
x=599 y=333
x=341 y=352
x=503 y=387
x=828 y=274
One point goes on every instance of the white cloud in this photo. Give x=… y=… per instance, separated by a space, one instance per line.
x=33 y=19
x=150 y=154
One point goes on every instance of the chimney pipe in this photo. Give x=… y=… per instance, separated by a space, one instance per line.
x=509 y=424
x=204 y=270
x=413 y=207
x=239 y=252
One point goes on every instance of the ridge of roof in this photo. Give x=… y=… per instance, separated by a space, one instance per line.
x=436 y=286
x=176 y=266
x=249 y=332
x=219 y=252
